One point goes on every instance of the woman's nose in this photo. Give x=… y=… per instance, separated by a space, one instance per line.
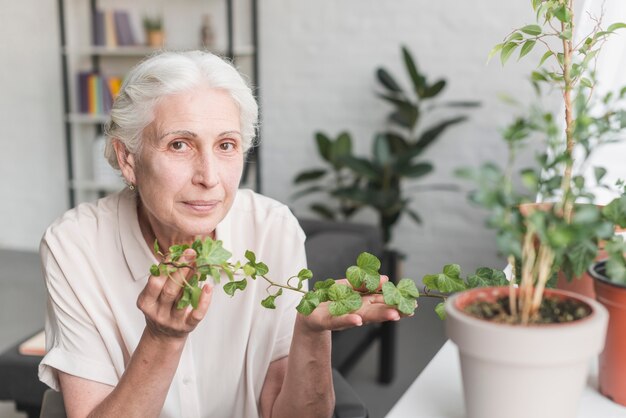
x=206 y=171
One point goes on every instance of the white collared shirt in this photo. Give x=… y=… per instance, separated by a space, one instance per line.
x=96 y=262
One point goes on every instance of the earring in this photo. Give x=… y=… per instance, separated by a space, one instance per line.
x=131 y=186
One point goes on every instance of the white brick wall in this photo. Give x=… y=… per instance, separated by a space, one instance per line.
x=317 y=73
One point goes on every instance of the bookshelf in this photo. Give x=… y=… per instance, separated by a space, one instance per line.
x=86 y=50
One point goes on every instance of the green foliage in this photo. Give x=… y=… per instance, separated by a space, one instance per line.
x=363 y=278
x=212 y=259
x=376 y=181
x=566 y=233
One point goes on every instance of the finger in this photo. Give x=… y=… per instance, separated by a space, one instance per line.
x=172 y=289
x=151 y=292
x=338 y=323
x=369 y=299
x=377 y=312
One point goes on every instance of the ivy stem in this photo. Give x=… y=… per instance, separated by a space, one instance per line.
x=274 y=284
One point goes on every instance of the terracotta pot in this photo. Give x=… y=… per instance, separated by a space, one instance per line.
x=612 y=365
x=515 y=371
x=156 y=39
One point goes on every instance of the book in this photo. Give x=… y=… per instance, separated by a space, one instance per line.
x=110 y=35
x=98 y=31
x=34 y=346
x=83 y=91
x=124 y=30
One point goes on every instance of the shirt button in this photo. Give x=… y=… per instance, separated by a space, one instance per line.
x=186 y=381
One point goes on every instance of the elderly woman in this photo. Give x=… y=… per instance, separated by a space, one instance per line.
x=117 y=345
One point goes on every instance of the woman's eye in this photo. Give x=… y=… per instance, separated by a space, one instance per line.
x=227 y=146
x=178 y=146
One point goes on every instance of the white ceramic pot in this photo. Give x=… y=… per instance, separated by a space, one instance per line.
x=517 y=371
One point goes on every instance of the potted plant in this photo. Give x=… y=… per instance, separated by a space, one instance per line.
x=524 y=350
x=153 y=27
x=610 y=288
x=379 y=181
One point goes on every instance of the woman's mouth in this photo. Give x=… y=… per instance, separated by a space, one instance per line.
x=201 y=206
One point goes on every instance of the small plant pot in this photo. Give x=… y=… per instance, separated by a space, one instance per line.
x=156 y=38
x=612 y=364
x=516 y=371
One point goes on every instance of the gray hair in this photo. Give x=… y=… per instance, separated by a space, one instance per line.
x=169 y=73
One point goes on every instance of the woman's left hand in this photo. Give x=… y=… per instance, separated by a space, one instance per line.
x=373 y=310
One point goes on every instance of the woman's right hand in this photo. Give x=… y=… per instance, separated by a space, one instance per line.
x=158 y=303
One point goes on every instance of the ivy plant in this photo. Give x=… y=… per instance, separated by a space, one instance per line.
x=213 y=262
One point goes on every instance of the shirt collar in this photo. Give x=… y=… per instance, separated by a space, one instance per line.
x=138 y=256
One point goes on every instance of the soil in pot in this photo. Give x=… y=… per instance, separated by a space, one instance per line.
x=553 y=310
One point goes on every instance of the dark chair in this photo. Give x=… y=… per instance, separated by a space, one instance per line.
x=331 y=247
x=348 y=404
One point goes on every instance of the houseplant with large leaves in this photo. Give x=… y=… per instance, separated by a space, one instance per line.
x=379 y=181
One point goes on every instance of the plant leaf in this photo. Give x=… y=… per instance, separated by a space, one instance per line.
x=309 y=175
x=231 y=287
x=308 y=303
x=387 y=80
x=527 y=47
x=533 y=30
x=343 y=300
x=435 y=89
x=446 y=282
x=440 y=310
x=270 y=301
x=419 y=82
x=212 y=252
x=323 y=145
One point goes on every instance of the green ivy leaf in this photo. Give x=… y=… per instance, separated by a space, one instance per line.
x=308 y=303
x=154 y=270
x=194 y=296
x=440 y=310
x=185 y=299
x=407 y=288
x=365 y=272
x=270 y=301
x=249 y=270
x=343 y=300
x=402 y=296
x=261 y=269
x=231 y=287
x=250 y=256
x=485 y=277
x=211 y=252
x=446 y=282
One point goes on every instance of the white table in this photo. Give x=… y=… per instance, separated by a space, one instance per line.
x=437 y=392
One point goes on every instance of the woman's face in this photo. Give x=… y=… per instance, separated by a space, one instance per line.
x=190 y=164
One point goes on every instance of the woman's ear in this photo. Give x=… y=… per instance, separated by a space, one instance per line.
x=126 y=161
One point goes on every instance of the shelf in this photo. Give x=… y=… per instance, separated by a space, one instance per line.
x=140 y=51
x=93 y=186
x=87 y=118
